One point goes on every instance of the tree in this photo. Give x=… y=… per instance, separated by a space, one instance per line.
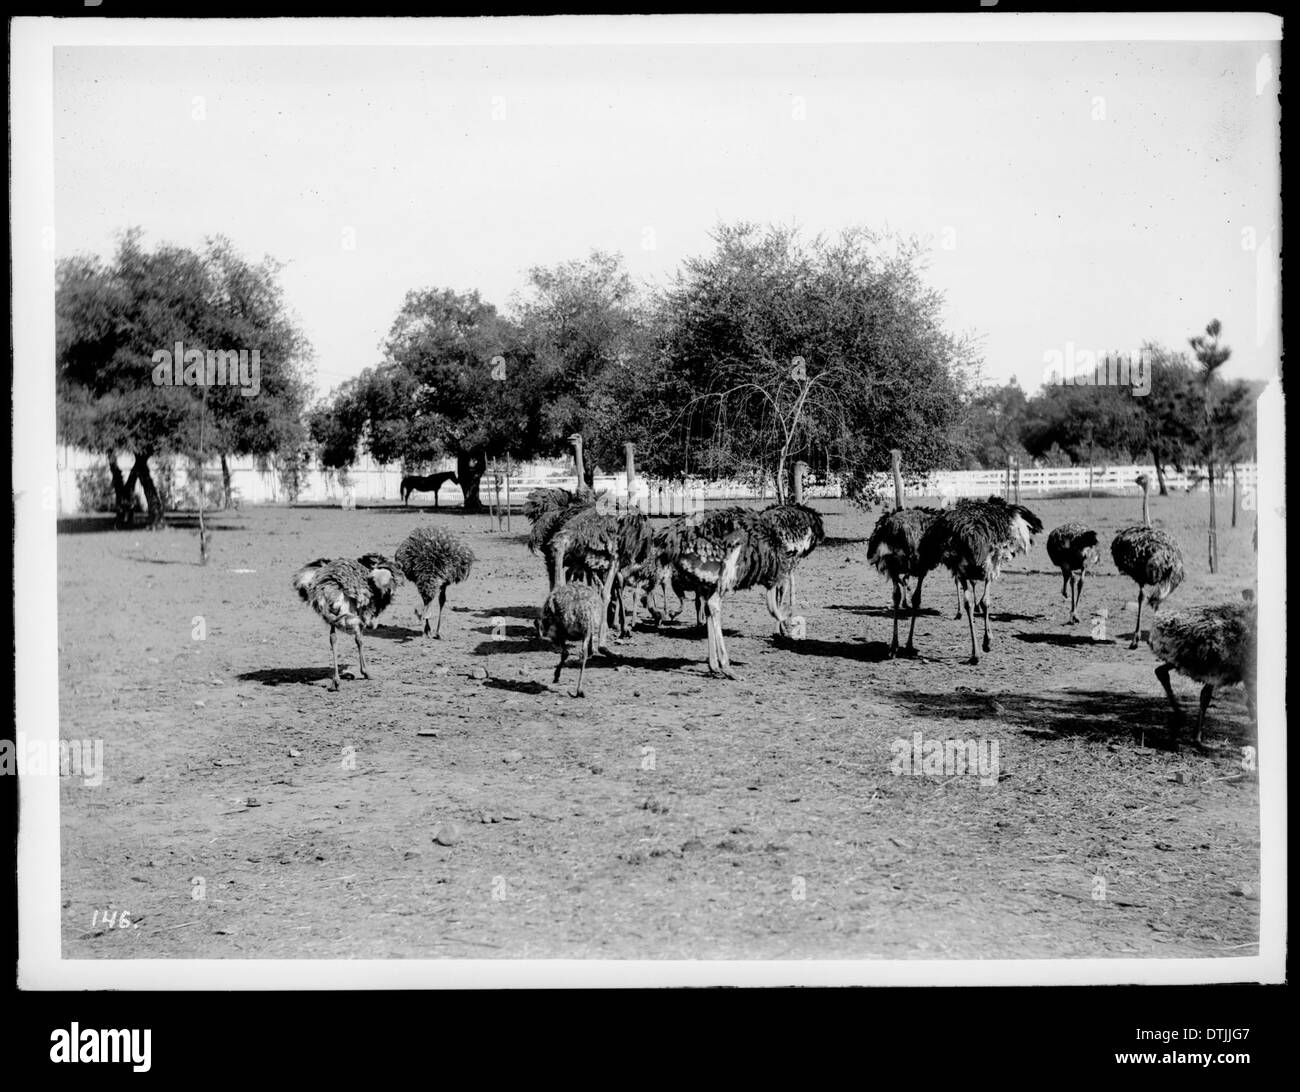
x=1171 y=413
x=114 y=319
x=1212 y=355
x=583 y=330
x=456 y=382
x=772 y=350
x=1090 y=422
x=248 y=310
x=993 y=423
x=1233 y=425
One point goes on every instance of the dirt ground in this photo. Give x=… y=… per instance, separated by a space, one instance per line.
x=247 y=812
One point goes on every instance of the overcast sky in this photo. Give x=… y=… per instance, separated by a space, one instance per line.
x=1094 y=193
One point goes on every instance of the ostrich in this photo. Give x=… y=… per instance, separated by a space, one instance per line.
x=347 y=595
x=727 y=550
x=636 y=566
x=1216 y=646
x=546 y=509
x=572 y=612
x=432 y=559
x=972 y=540
x=895 y=551
x=1072 y=548
x=1150 y=557
x=799 y=530
x=585 y=544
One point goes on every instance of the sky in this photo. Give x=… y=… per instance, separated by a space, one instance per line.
x=1093 y=195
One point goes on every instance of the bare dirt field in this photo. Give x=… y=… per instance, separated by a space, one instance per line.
x=667 y=815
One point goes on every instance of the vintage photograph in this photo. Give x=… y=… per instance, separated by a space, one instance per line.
x=709 y=493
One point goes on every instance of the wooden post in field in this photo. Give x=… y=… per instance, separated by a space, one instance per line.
x=896 y=465
x=1007 y=492
x=496 y=489
x=1234 y=494
x=491 y=468
x=1017 y=479
x=203 y=530
x=629 y=463
x=796 y=481
x=1214 y=526
x=1090 y=462
x=509 y=469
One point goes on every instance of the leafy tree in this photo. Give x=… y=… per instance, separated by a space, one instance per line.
x=992 y=425
x=772 y=350
x=1091 y=423
x=456 y=382
x=111 y=320
x=584 y=331
x=1171 y=414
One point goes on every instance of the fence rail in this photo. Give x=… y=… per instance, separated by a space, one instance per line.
x=369 y=482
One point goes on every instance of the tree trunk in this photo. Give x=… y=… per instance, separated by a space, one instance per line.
x=1160 y=473
x=1214 y=532
x=123 y=493
x=141 y=470
x=225 y=483
x=1234 y=494
x=469 y=470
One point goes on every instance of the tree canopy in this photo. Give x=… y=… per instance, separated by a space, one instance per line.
x=114 y=319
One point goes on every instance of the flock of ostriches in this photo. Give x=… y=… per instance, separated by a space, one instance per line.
x=593 y=557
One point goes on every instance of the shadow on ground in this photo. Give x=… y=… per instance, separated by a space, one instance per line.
x=278 y=676
x=1092 y=714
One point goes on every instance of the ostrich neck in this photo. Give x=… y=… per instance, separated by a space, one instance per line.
x=577 y=460
x=1146 y=508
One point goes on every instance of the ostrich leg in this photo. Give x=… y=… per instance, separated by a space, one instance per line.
x=719 y=663
x=774 y=607
x=898 y=602
x=910 y=650
x=1066 y=581
x=1078 y=595
x=968 y=600
x=335 y=656
x=618 y=590
x=1207 y=692
x=361 y=656
x=606 y=585
x=961 y=601
x=1137 y=629
x=582 y=665
x=442 y=602
x=1162 y=673
x=564 y=655
x=984 y=601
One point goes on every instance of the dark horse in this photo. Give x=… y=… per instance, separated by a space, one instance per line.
x=429 y=484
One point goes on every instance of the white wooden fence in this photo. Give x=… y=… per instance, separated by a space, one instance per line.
x=369 y=483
